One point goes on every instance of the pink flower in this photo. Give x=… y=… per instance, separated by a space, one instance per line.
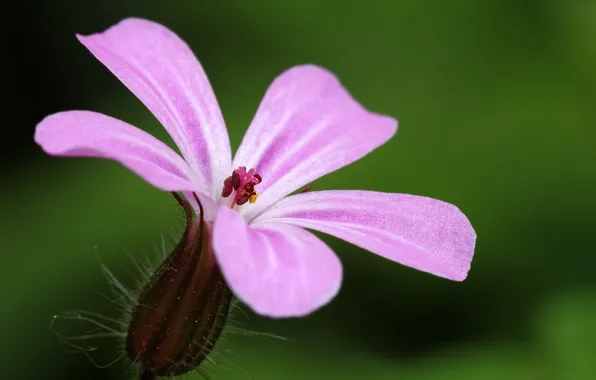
x=307 y=125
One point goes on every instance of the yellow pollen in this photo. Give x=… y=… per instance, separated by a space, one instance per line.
x=253 y=198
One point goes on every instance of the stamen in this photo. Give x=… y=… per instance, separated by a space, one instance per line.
x=243 y=199
x=235 y=180
x=228 y=188
x=241 y=185
x=249 y=187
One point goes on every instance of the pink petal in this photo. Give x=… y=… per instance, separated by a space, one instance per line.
x=307 y=125
x=278 y=270
x=422 y=233
x=161 y=70
x=91 y=134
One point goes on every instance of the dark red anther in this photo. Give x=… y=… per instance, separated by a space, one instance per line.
x=243 y=199
x=227 y=188
x=235 y=180
x=249 y=187
x=258 y=178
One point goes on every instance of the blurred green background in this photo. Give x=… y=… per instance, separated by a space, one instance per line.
x=497 y=107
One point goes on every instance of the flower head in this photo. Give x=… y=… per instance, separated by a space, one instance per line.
x=306 y=126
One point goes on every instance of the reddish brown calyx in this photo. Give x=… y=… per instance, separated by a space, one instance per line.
x=242 y=185
x=181 y=312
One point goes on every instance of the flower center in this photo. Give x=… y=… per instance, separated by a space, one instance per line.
x=241 y=185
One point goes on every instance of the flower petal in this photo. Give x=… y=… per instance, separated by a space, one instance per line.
x=278 y=270
x=161 y=70
x=307 y=125
x=422 y=233
x=91 y=134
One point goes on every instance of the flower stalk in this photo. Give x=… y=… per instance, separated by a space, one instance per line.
x=181 y=312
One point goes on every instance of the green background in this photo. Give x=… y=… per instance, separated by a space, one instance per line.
x=497 y=107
